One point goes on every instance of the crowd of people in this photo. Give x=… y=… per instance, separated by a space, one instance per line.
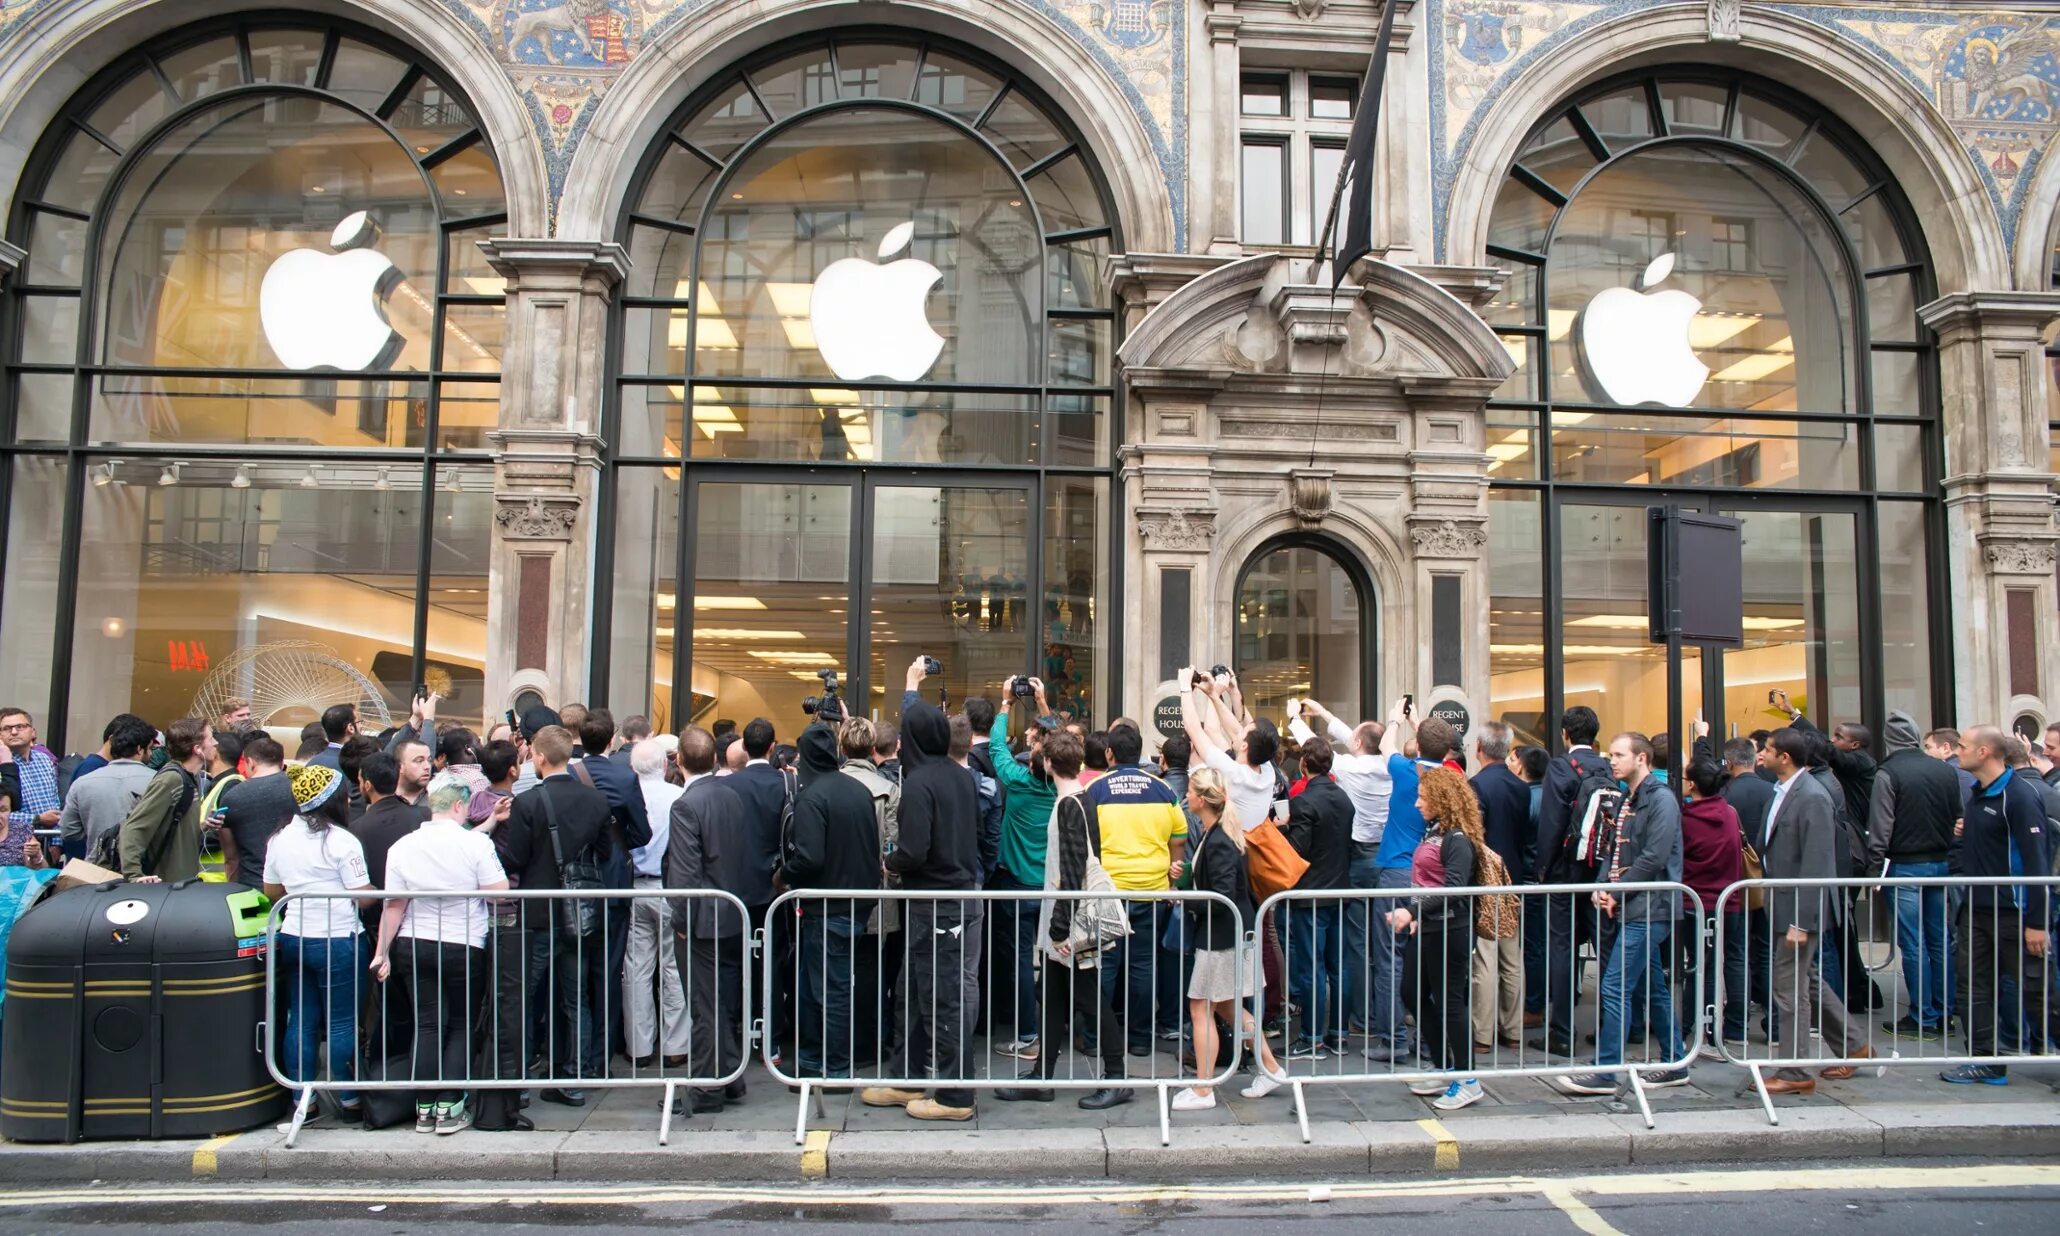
x=405 y=957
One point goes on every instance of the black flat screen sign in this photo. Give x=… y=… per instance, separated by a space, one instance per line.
x=1696 y=576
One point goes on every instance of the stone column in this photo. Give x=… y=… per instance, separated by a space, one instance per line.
x=1212 y=135
x=548 y=465
x=1448 y=534
x=2000 y=537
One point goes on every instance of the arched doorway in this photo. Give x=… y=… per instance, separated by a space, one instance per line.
x=1304 y=627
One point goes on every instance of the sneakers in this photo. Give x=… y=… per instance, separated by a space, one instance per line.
x=1261 y=1086
x=1977 y=1075
x=1710 y=1052
x=1172 y=1034
x=1908 y=1027
x=425 y=1117
x=1021 y=1049
x=887 y=1096
x=1464 y=1092
x=1308 y=1050
x=450 y=1117
x=1663 y=1079
x=1587 y=1083
x=1192 y=1100
x=1429 y=1087
x=931 y=1109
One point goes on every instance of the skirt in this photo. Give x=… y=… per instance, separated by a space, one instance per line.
x=1218 y=976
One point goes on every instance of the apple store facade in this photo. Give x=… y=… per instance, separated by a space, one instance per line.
x=673 y=360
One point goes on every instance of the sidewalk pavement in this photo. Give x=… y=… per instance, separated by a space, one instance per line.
x=1374 y=1128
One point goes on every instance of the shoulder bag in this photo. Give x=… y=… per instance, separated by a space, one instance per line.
x=577 y=916
x=1271 y=862
x=1496 y=916
x=1102 y=919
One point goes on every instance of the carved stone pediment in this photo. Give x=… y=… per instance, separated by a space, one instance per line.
x=1448 y=538
x=536 y=517
x=1177 y=528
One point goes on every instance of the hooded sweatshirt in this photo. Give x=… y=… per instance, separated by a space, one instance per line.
x=834 y=841
x=1915 y=801
x=939 y=845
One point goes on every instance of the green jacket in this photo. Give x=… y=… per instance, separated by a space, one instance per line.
x=1026 y=810
x=179 y=854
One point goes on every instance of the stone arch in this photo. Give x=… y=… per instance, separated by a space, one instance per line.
x=686 y=57
x=2038 y=229
x=48 y=55
x=1902 y=126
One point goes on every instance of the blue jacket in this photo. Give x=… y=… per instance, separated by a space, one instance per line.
x=2005 y=835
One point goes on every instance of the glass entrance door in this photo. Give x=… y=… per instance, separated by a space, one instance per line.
x=1608 y=663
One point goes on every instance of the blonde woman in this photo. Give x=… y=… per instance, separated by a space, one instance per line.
x=1438 y=964
x=1220 y=984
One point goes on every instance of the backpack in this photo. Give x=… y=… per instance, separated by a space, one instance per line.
x=107 y=852
x=1597 y=801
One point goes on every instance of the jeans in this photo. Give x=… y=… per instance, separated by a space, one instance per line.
x=1358 y=951
x=563 y=1022
x=829 y=942
x=324 y=974
x=1129 y=971
x=1386 y=1021
x=447 y=983
x=1314 y=960
x=1636 y=970
x=1923 y=935
x=1534 y=954
x=1012 y=948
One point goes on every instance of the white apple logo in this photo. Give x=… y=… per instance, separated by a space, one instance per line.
x=1637 y=345
x=324 y=310
x=869 y=319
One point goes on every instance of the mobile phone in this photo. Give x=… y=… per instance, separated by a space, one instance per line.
x=1408 y=704
x=512 y=724
x=1770 y=695
x=421 y=690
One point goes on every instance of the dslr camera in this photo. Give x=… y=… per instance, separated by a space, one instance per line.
x=1219 y=671
x=829 y=706
x=932 y=666
x=1020 y=688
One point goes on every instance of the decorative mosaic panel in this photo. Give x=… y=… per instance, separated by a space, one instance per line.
x=1995 y=77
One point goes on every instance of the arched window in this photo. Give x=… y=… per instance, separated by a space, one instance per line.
x=1712 y=300
x=253 y=359
x=1305 y=628
x=853 y=255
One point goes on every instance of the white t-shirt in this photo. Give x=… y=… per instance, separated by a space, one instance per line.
x=443 y=856
x=1251 y=789
x=307 y=861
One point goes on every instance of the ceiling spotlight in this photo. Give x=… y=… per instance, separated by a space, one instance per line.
x=242 y=478
x=310 y=481
x=105 y=476
x=168 y=477
x=382 y=484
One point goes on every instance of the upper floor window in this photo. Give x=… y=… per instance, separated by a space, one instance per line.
x=1293 y=126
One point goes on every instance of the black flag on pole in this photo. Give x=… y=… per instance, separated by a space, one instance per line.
x=1355 y=179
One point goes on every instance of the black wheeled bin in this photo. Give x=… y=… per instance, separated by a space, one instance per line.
x=133 y=1011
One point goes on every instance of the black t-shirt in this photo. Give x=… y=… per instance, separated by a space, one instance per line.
x=252 y=811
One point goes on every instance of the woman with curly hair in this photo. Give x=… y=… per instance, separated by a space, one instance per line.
x=1438 y=966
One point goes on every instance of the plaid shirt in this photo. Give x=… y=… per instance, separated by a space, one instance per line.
x=38 y=794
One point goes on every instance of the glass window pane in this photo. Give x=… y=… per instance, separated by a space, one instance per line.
x=1022 y=133
x=1331 y=98
x=1621 y=117
x=1558 y=155
x=1769 y=126
x=951 y=579
x=1892 y=308
x=1898 y=386
x=772 y=566
x=1080 y=351
x=661 y=263
x=640 y=644
x=875 y=70
x=1075 y=279
x=1264 y=94
x=1905 y=609
x=430 y=116
x=1516 y=615
x=311 y=588
x=1802 y=626
x=729 y=120
x=473 y=336
x=1523 y=383
x=1079 y=429
x=79 y=175
x=57 y=250
x=460 y=545
x=1517 y=303
x=654 y=340
x=235 y=208
x=1830 y=170
x=286 y=57
x=204 y=68
x=796 y=284
x=1521 y=218
x=35 y=534
x=1640 y=449
x=956 y=87
x=470 y=183
x=1263 y=188
x=49 y=330
x=1693 y=107
x=651 y=419
x=465 y=413
x=1300 y=632
x=833 y=424
x=132 y=110
x=1608 y=664
x=678 y=186
x=466 y=269
x=1073 y=659
x=347 y=413
x=1899 y=459
x=1325 y=162
x=1874 y=234
x=43 y=407
x=364 y=75
x=1512 y=444
x=1066 y=197
x=796 y=82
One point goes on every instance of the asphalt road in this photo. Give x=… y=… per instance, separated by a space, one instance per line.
x=1902 y=1200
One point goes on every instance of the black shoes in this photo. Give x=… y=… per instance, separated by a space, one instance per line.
x=568 y=1098
x=1025 y=1094
x=1105 y=1098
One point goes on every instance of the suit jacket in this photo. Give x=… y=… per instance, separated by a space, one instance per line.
x=524 y=841
x=713 y=845
x=1506 y=818
x=1804 y=845
x=763 y=791
x=625 y=800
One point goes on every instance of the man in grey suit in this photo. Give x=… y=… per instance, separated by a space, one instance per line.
x=1802 y=842
x=712 y=846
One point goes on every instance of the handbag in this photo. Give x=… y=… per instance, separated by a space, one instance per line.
x=1496 y=916
x=1755 y=869
x=577 y=916
x=1100 y=920
x=1271 y=863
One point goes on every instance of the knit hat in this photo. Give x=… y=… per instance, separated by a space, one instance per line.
x=313 y=785
x=1901 y=732
x=538 y=718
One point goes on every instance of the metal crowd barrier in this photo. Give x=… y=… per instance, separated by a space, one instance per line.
x=885 y=986
x=1953 y=962
x=552 y=984
x=1349 y=978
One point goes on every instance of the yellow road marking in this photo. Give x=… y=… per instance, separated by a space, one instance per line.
x=1447 y=1157
x=204 y=1162
x=1579 y=1211
x=815 y=1156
